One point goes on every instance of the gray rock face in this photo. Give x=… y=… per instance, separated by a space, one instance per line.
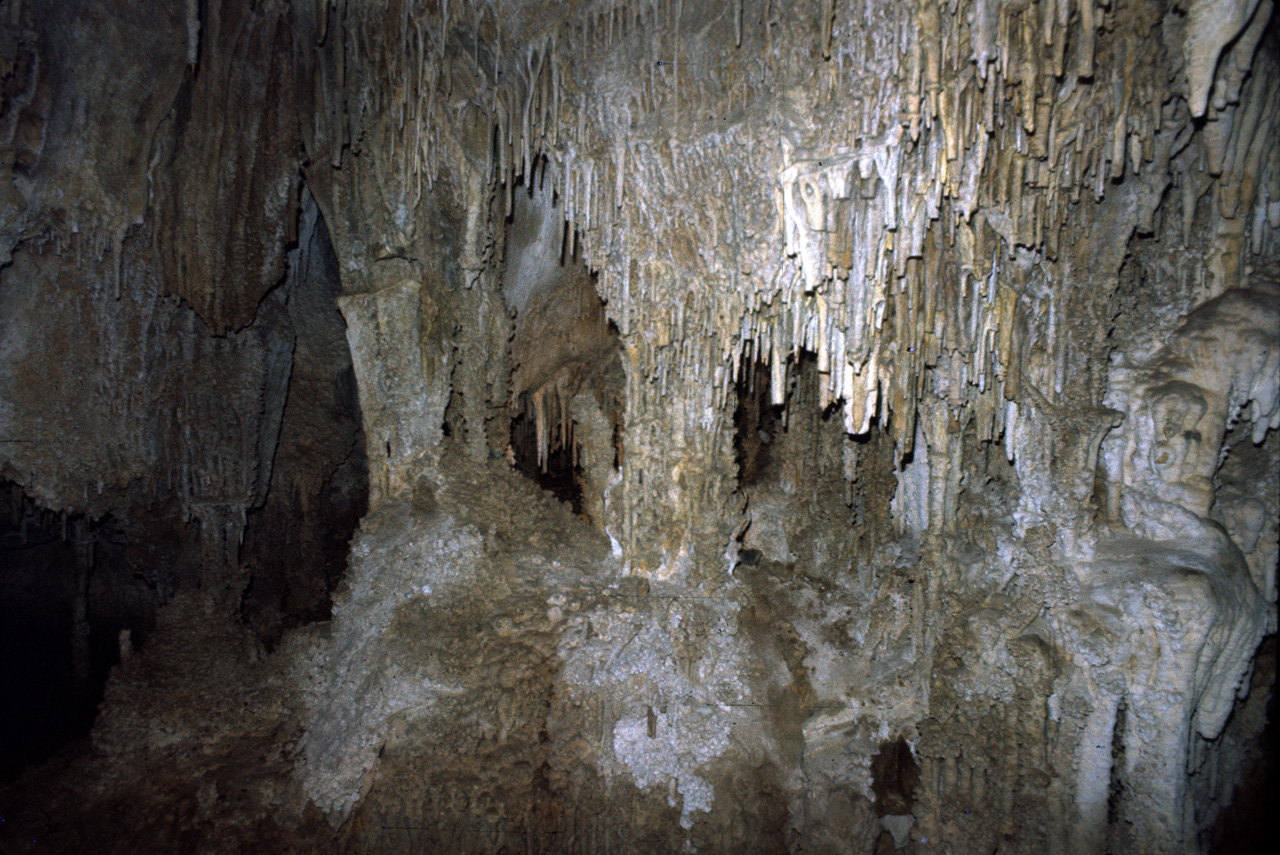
x=902 y=381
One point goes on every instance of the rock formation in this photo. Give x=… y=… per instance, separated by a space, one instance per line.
x=589 y=426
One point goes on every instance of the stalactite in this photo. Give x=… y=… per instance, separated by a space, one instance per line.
x=193 y=31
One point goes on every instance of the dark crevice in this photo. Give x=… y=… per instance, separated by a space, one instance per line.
x=296 y=541
x=756 y=422
x=895 y=773
x=1248 y=822
x=559 y=474
x=759 y=423
x=1115 y=793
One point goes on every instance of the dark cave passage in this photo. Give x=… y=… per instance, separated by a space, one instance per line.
x=296 y=541
x=72 y=601
x=77 y=593
x=756 y=422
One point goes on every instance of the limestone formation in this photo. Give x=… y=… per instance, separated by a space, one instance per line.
x=592 y=426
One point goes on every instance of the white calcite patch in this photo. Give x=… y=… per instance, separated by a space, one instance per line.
x=680 y=746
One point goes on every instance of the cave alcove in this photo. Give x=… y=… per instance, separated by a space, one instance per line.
x=564 y=354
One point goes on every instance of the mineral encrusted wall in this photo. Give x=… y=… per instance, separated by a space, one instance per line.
x=916 y=367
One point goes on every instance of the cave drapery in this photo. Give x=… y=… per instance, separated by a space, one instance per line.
x=676 y=425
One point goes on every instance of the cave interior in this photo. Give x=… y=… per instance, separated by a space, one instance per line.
x=519 y=426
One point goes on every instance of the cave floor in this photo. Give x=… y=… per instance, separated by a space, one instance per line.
x=537 y=693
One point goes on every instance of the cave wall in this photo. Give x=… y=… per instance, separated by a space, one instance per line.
x=178 y=402
x=918 y=366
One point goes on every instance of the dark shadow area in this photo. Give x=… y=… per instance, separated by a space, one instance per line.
x=894 y=777
x=760 y=423
x=895 y=774
x=296 y=542
x=559 y=474
x=1250 y=821
x=71 y=602
x=756 y=422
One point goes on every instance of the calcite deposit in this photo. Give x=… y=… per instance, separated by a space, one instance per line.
x=665 y=426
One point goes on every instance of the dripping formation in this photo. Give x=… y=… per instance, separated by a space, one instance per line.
x=914 y=366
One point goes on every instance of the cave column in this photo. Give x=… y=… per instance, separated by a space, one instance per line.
x=403 y=381
x=594 y=439
x=483 y=385
x=676 y=507
x=482 y=371
x=1093 y=761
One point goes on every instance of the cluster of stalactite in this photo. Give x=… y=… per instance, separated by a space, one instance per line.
x=932 y=202
x=921 y=186
x=900 y=213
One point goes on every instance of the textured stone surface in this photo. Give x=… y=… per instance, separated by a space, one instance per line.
x=911 y=372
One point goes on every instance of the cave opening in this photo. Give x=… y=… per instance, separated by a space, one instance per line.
x=780 y=433
x=793 y=458
x=558 y=471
